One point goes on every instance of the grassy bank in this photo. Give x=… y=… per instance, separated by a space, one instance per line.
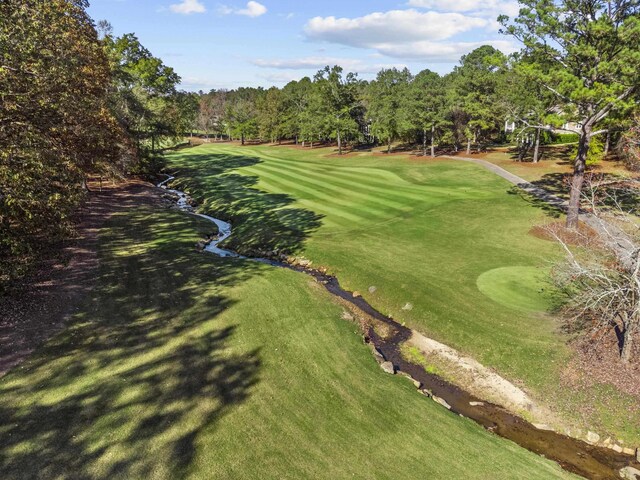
x=442 y=246
x=184 y=365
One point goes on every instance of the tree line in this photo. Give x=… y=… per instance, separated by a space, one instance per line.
x=339 y=107
x=75 y=101
x=578 y=72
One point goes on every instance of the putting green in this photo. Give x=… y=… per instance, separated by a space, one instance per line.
x=521 y=288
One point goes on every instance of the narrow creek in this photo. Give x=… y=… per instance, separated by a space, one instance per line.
x=576 y=456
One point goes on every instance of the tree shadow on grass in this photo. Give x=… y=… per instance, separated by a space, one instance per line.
x=563 y=154
x=263 y=223
x=613 y=193
x=143 y=368
x=549 y=209
x=558 y=184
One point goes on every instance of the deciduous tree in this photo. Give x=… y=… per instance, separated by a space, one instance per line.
x=385 y=99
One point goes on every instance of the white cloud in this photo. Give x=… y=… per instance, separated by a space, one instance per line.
x=279 y=77
x=392 y=26
x=316 y=63
x=486 y=8
x=252 y=9
x=408 y=34
x=187 y=7
x=445 y=52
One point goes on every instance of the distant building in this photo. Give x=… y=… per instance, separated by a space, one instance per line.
x=509 y=126
x=571 y=126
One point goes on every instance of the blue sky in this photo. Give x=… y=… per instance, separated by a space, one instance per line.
x=232 y=43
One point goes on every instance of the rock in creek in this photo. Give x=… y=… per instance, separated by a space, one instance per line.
x=630 y=473
x=378 y=354
x=388 y=367
x=593 y=437
x=441 y=401
x=543 y=426
x=347 y=316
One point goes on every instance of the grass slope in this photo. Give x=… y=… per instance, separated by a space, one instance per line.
x=446 y=245
x=422 y=233
x=184 y=365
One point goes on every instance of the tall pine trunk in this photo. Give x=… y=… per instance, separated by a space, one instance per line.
x=424 y=142
x=536 y=148
x=579 y=167
x=607 y=143
x=433 y=139
x=339 y=142
x=389 y=145
x=468 y=146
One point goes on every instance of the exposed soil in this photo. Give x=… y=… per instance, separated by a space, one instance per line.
x=479 y=378
x=584 y=236
x=40 y=308
x=597 y=361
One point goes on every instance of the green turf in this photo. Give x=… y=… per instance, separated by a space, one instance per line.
x=521 y=288
x=421 y=232
x=184 y=365
x=450 y=238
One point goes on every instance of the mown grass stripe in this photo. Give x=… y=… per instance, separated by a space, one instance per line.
x=338 y=177
x=321 y=200
x=298 y=185
x=350 y=191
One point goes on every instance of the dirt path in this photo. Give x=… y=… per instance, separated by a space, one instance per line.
x=57 y=289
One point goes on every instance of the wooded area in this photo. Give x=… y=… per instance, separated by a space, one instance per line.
x=73 y=103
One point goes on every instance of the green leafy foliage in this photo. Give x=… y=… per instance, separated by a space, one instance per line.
x=55 y=124
x=629 y=145
x=72 y=105
x=385 y=100
x=587 y=53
